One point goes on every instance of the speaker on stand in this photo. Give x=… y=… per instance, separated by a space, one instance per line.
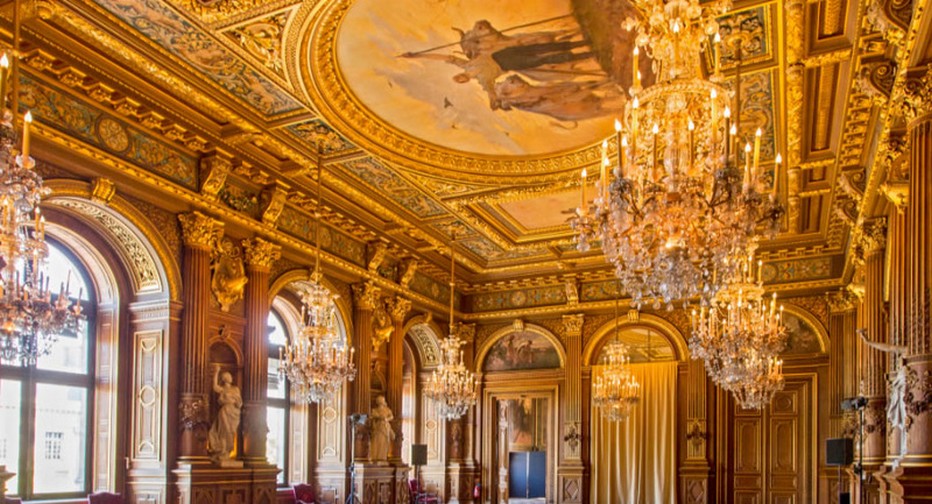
x=840 y=452
x=418 y=458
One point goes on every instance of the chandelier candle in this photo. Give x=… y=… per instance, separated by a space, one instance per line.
x=4 y=78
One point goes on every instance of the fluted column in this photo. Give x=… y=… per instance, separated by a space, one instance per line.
x=912 y=480
x=200 y=233
x=842 y=378
x=570 y=471
x=365 y=298
x=396 y=346
x=260 y=255
x=874 y=362
x=896 y=245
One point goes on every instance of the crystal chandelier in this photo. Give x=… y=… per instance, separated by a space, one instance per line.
x=615 y=390
x=30 y=320
x=452 y=386
x=740 y=335
x=679 y=198
x=316 y=361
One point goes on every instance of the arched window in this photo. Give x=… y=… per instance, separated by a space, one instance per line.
x=45 y=411
x=279 y=404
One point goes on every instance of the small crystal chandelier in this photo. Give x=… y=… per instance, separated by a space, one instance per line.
x=30 y=320
x=740 y=335
x=677 y=201
x=316 y=361
x=452 y=385
x=615 y=390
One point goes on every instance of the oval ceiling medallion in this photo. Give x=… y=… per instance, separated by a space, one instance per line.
x=497 y=81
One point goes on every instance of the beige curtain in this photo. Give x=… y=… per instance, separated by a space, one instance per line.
x=634 y=461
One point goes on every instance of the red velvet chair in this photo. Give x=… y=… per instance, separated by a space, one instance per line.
x=304 y=494
x=419 y=497
x=104 y=498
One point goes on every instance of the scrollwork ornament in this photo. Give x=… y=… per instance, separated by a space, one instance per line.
x=875 y=419
x=228 y=276
x=918 y=395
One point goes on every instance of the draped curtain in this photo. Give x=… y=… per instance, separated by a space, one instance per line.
x=634 y=461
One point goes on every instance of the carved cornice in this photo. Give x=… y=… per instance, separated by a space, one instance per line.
x=840 y=301
x=261 y=254
x=200 y=231
x=271 y=203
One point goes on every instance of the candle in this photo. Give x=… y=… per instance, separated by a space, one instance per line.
x=747 y=164
x=618 y=144
x=654 y=130
x=692 y=152
x=4 y=73
x=715 y=57
x=582 y=184
x=27 y=120
x=757 y=136
x=727 y=115
x=776 y=173
x=636 y=78
x=621 y=156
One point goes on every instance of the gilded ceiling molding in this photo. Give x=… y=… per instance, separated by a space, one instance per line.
x=326 y=89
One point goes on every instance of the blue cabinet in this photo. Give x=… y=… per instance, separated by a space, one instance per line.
x=527 y=474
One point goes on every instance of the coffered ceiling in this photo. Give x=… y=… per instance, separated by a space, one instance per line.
x=419 y=141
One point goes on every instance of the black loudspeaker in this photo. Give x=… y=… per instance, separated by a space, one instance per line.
x=839 y=451
x=844 y=498
x=419 y=454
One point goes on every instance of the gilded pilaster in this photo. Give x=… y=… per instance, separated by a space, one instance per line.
x=200 y=233
x=873 y=362
x=260 y=255
x=365 y=298
x=570 y=472
x=398 y=310
x=842 y=378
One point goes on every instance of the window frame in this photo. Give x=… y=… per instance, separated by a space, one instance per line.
x=29 y=377
x=282 y=403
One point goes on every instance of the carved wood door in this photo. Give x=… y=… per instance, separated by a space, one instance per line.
x=771 y=459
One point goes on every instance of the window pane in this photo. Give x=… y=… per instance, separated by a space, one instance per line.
x=9 y=429
x=69 y=352
x=276 y=382
x=60 y=443
x=275 y=444
x=277 y=334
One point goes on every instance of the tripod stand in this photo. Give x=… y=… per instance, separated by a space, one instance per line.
x=354 y=419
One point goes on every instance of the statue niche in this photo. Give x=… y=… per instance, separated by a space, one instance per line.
x=226 y=408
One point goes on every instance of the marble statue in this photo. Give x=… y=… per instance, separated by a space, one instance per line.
x=896 y=400
x=381 y=434
x=221 y=440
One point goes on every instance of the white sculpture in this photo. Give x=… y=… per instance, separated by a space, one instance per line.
x=896 y=401
x=381 y=434
x=221 y=440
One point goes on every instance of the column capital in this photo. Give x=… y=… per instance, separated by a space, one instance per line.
x=573 y=325
x=261 y=254
x=366 y=295
x=199 y=230
x=916 y=101
x=464 y=332
x=841 y=301
x=399 y=308
x=872 y=237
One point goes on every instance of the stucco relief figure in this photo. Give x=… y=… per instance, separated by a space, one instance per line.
x=896 y=401
x=221 y=440
x=381 y=434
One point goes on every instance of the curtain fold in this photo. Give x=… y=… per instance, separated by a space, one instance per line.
x=634 y=461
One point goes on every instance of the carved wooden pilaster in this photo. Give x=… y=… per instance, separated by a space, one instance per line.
x=912 y=480
x=260 y=255
x=842 y=378
x=399 y=309
x=873 y=362
x=365 y=298
x=200 y=233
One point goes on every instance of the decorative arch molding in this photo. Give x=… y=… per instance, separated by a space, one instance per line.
x=663 y=327
x=151 y=266
x=302 y=275
x=424 y=335
x=487 y=345
x=813 y=322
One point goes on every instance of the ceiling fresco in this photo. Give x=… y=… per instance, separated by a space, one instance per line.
x=423 y=133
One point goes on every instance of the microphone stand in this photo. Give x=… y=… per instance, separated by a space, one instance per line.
x=351 y=497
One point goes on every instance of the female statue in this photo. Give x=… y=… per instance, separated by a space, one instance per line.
x=221 y=440
x=380 y=430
